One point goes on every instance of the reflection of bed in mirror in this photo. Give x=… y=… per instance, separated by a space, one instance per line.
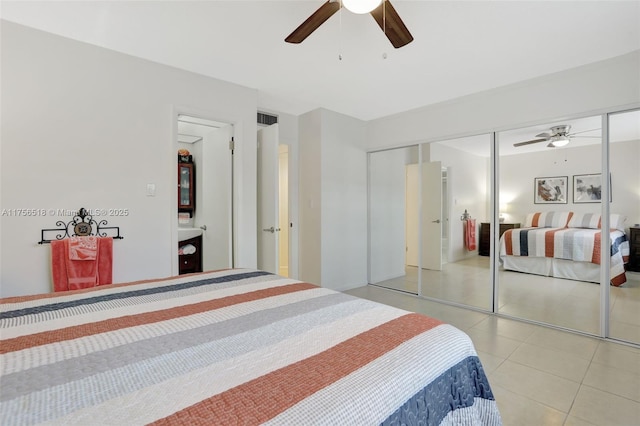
x=565 y=245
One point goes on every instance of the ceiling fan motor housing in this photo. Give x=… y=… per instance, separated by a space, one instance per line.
x=560 y=130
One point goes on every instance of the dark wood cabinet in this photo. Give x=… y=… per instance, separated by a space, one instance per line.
x=484 y=247
x=190 y=260
x=186 y=188
x=634 y=249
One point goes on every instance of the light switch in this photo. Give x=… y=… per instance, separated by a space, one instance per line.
x=151 y=190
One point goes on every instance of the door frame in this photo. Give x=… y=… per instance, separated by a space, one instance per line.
x=176 y=112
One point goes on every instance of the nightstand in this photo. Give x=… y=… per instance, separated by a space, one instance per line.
x=634 y=250
x=484 y=247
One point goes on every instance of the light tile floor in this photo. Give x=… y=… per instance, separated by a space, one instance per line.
x=539 y=375
x=566 y=303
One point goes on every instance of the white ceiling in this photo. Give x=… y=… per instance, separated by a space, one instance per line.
x=460 y=47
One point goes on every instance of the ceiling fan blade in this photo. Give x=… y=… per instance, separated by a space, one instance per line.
x=390 y=22
x=530 y=142
x=313 y=22
x=544 y=135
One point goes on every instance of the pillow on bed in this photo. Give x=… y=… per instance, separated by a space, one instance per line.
x=593 y=221
x=547 y=220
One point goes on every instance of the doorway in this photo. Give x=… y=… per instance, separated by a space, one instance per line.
x=274 y=224
x=283 y=207
x=207 y=145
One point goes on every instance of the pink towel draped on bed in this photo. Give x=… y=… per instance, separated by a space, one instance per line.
x=81 y=262
x=470 y=234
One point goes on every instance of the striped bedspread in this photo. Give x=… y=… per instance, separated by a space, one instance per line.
x=232 y=347
x=576 y=244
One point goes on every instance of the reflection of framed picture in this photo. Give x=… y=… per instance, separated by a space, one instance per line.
x=588 y=188
x=550 y=190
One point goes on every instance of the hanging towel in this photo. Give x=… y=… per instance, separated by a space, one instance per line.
x=105 y=260
x=470 y=234
x=83 y=248
x=73 y=274
x=59 y=253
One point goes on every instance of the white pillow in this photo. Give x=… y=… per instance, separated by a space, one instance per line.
x=594 y=221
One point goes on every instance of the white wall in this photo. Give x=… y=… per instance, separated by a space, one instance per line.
x=333 y=200
x=87 y=127
x=387 y=218
x=310 y=153
x=591 y=88
x=519 y=172
x=344 y=202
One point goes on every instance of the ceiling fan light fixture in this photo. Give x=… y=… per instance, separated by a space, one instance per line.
x=558 y=141
x=361 y=6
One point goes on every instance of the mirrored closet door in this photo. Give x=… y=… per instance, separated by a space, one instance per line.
x=436 y=231
x=549 y=196
x=624 y=165
x=455 y=209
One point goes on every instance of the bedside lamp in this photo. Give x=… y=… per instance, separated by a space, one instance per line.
x=504 y=208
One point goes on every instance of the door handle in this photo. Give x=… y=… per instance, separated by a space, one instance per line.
x=435 y=221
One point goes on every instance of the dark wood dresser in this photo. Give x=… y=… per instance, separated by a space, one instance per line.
x=634 y=249
x=484 y=246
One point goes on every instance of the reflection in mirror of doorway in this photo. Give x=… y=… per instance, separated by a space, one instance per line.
x=465 y=169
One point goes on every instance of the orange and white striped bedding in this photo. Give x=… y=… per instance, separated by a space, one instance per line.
x=231 y=347
x=575 y=244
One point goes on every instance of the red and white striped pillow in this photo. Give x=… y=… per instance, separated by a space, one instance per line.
x=547 y=220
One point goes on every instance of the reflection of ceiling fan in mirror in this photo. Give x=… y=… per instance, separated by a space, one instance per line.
x=382 y=11
x=558 y=137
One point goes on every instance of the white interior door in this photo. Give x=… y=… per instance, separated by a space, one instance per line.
x=268 y=196
x=214 y=206
x=412 y=214
x=432 y=215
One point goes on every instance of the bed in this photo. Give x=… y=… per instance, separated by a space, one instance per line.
x=228 y=347
x=565 y=245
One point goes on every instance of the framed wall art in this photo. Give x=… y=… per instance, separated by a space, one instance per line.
x=550 y=190
x=588 y=188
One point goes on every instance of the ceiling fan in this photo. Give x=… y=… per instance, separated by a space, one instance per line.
x=558 y=137
x=382 y=11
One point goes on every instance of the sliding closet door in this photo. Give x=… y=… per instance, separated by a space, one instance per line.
x=456 y=179
x=393 y=219
x=624 y=164
x=549 y=198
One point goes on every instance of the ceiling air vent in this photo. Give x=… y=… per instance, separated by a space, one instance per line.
x=267 y=119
